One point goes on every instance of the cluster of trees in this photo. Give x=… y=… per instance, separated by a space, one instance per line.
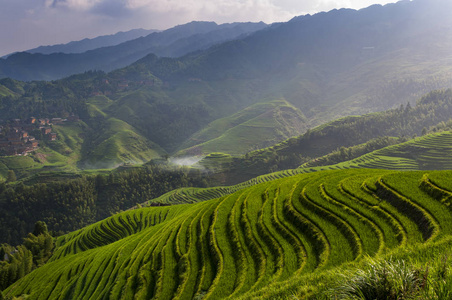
x=401 y=90
x=406 y=120
x=69 y=205
x=16 y=262
x=49 y=99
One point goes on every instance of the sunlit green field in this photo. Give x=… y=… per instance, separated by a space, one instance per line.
x=249 y=243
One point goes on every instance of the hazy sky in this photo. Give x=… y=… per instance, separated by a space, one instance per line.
x=25 y=24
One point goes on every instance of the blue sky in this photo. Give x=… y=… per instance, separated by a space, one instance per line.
x=25 y=24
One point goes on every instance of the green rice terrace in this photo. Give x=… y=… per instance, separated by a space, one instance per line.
x=264 y=241
x=431 y=152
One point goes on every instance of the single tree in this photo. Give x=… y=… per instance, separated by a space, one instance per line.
x=40 y=228
x=424 y=131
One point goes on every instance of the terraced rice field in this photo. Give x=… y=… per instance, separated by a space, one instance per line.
x=432 y=152
x=239 y=244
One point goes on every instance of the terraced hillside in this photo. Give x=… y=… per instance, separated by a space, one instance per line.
x=256 y=126
x=245 y=243
x=431 y=152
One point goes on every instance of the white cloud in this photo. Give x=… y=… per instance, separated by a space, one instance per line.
x=220 y=10
x=78 y=5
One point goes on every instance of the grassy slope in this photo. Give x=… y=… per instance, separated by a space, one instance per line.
x=256 y=126
x=258 y=241
x=117 y=142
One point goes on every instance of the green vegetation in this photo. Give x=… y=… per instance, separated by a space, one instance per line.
x=257 y=126
x=17 y=262
x=431 y=111
x=97 y=201
x=249 y=93
x=67 y=202
x=263 y=241
x=348 y=153
x=115 y=142
x=430 y=152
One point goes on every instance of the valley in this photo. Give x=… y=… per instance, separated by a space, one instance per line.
x=307 y=159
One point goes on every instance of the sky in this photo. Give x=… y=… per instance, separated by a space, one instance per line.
x=26 y=24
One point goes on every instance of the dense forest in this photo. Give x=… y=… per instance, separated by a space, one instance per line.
x=69 y=205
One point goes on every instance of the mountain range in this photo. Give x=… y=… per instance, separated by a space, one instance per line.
x=39 y=64
x=252 y=91
x=91 y=44
x=308 y=159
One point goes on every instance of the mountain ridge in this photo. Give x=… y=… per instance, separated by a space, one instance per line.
x=174 y=41
x=87 y=44
x=315 y=63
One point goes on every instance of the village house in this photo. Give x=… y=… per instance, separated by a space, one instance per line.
x=56 y=120
x=43 y=121
x=17 y=142
x=52 y=136
x=46 y=130
x=34 y=143
x=15 y=138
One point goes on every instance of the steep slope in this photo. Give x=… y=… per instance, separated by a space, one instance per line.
x=251 y=240
x=430 y=152
x=256 y=126
x=114 y=142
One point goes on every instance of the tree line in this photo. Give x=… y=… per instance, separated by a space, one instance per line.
x=72 y=204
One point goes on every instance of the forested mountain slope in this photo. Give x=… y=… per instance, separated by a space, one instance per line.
x=324 y=66
x=67 y=202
